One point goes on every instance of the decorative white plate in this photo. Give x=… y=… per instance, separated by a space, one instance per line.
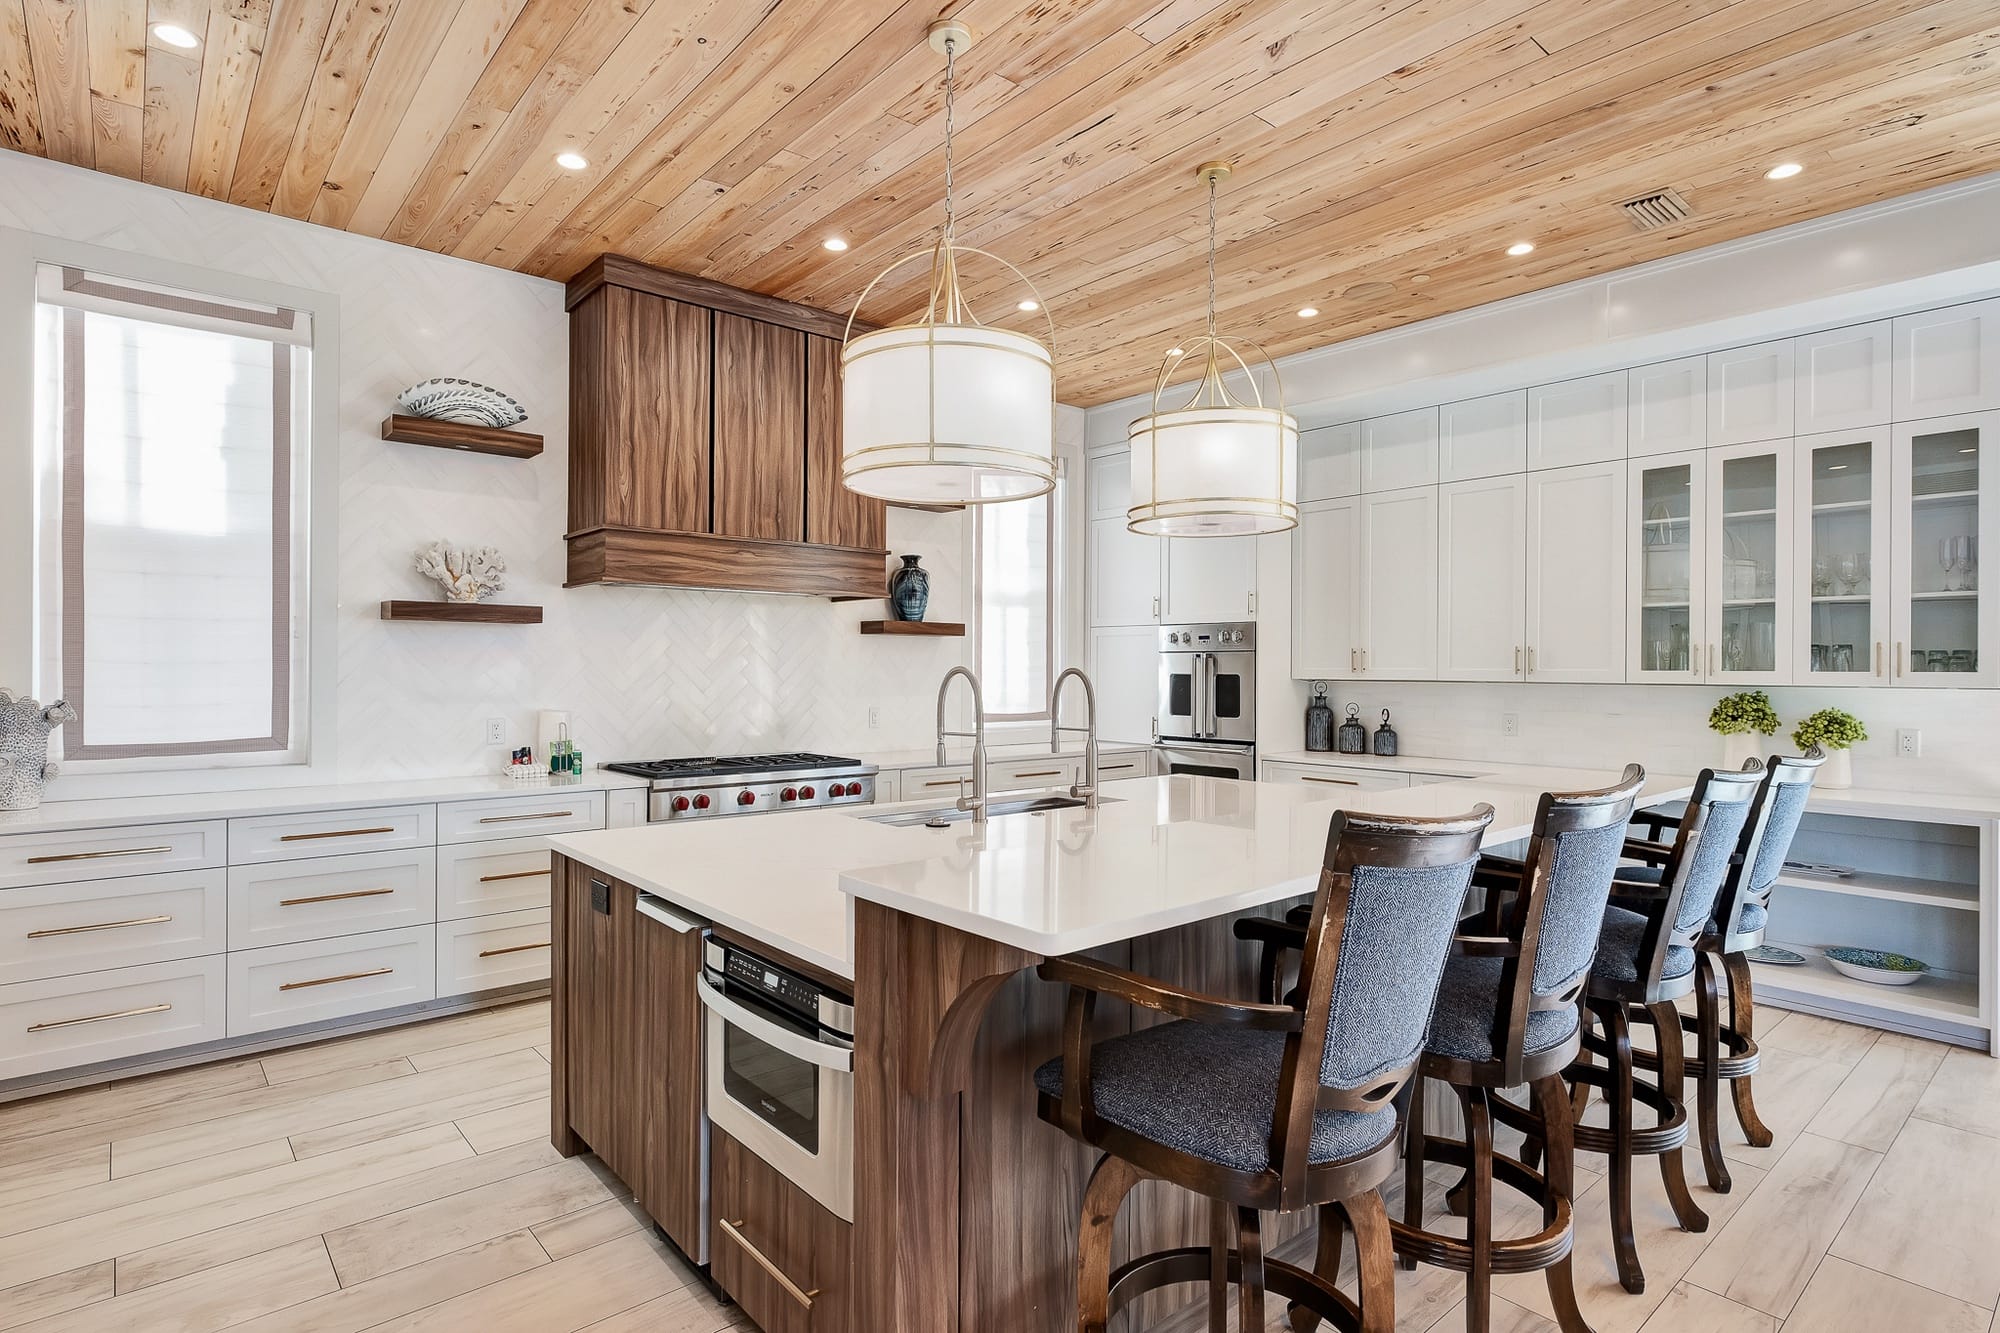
x=1876 y=967
x=463 y=401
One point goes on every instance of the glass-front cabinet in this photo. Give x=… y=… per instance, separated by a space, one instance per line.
x=1747 y=561
x=1947 y=510
x=1664 y=572
x=1842 y=570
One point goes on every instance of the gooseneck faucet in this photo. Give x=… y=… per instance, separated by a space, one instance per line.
x=1087 y=789
x=976 y=802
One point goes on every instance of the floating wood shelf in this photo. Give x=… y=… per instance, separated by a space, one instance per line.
x=936 y=629
x=459 y=435
x=470 y=613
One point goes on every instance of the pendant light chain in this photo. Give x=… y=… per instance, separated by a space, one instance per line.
x=950 y=212
x=1211 y=256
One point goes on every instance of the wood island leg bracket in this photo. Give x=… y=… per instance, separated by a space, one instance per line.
x=921 y=991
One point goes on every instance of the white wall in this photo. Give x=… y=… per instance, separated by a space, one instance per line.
x=646 y=672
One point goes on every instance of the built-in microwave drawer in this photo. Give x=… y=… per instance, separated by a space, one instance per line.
x=544 y=812
x=481 y=878
x=488 y=952
x=55 y=930
x=68 y=1021
x=1022 y=774
x=285 y=902
x=289 y=984
x=136 y=849
x=295 y=837
x=1337 y=779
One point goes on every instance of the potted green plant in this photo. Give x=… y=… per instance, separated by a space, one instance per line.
x=1740 y=719
x=1834 y=732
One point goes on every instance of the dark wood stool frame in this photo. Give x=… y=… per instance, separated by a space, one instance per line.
x=1343 y=1192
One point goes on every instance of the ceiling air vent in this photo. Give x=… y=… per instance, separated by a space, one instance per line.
x=1660 y=208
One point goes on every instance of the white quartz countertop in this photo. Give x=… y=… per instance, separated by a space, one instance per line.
x=1403 y=763
x=962 y=754
x=56 y=816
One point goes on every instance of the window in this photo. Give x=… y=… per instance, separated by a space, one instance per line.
x=173 y=427
x=1015 y=621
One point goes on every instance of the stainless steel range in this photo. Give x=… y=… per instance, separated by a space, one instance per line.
x=751 y=784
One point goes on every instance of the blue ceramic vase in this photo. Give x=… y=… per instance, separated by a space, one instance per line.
x=910 y=589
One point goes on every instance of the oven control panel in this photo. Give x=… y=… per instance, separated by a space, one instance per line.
x=1227 y=637
x=733 y=968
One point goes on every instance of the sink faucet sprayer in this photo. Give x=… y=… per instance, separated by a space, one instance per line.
x=976 y=802
x=1087 y=789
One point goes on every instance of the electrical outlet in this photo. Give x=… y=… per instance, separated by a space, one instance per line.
x=1910 y=743
x=1510 y=724
x=496 y=731
x=874 y=717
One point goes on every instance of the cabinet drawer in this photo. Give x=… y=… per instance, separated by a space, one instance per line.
x=69 y=1021
x=1124 y=764
x=330 y=832
x=288 y=984
x=518 y=816
x=487 y=952
x=290 y=901
x=64 y=858
x=783 y=1257
x=1352 y=779
x=1021 y=774
x=61 y=929
x=931 y=784
x=481 y=878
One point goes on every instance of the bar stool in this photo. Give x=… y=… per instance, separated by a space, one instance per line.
x=1270 y=1106
x=1737 y=926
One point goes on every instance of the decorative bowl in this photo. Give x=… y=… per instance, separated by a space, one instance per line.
x=1877 y=967
x=463 y=401
x=1776 y=956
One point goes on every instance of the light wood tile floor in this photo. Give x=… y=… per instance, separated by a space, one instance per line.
x=403 y=1180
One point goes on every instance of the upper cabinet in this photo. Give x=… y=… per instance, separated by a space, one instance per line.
x=1575 y=572
x=1667 y=407
x=1483 y=437
x=1400 y=450
x=704 y=444
x=1750 y=394
x=1399 y=584
x=1946 y=496
x=1209 y=578
x=1841 y=379
x=1947 y=361
x=1577 y=421
x=1140 y=580
x=1330 y=462
x=1843 y=564
x=1326 y=589
x=1482 y=560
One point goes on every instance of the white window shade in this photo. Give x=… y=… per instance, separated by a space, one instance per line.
x=1015 y=621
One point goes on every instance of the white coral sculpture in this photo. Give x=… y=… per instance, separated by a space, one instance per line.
x=468 y=573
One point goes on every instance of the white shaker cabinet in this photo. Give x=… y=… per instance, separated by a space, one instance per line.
x=1667 y=407
x=1326 y=590
x=1124 y=667
x=1577 y=421
x=1110 y=481
x=1400 y=451
x=1750 y=394
x=1399 y=584
x=1946 y=516
x=1576 y=573
x=1124 y=574
x=1841 y=379
x=1947 y=361
x=1483 y=437
x=1482 y=567
x=1208 y=578
x=1330 y=462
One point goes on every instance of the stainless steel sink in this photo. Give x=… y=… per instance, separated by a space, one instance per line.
x=945 y=815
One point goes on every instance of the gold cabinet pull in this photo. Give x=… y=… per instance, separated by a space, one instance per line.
x=335 y=897
x=99 y=1018
x=734 y=1231
x=946 y=782
x=1336 y=782
x=328 y=981
x=1899 y=658
x=515 y=819
x=1042 y=773
x=515 y=874
x=100 y=925
x=1878 y=657
x=93 y=856
x=513 y=948
x=335 y=833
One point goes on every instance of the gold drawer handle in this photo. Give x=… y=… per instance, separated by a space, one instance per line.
x=92 y=856
x=328 y=981
x=99 y=1018
x=732 y=1230
x=99 y=925
x=513 y=948
x=335 y=897
x=1042 y=773
x=515 y=819
x=1335 y=782
x=335 y=833
x=945 y=782
x=515 y=874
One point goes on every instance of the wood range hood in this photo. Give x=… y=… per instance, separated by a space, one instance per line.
x=704 y=440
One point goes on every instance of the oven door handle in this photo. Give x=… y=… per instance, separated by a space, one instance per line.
x=791 y=1043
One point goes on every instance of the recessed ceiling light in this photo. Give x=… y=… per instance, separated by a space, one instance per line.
x=173 y=34
x=1029 y=305
x=834 y=243
x=1783 y=171
x=1519 y=248
x=1420 y=277
x=571 y=160
x=1308 y=311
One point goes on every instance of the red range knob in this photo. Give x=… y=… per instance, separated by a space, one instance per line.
x=681 y=803
x=853 y=789
x=789 y=794
x=701 y=802
x=746 y=798
x=805 y=793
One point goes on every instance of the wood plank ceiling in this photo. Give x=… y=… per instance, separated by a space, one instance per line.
x=1387 y=151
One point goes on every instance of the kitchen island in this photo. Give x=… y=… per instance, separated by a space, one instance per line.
x=965 y=1203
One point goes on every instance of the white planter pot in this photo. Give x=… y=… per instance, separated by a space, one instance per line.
x=1837 y=771
x=1740 y=748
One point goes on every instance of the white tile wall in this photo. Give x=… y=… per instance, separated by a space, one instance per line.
x=645 y=672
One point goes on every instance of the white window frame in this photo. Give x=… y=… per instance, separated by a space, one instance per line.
x=30 y=518
x=1065 y=570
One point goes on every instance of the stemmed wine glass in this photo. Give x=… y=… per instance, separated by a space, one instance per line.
x=1955 y=557
x=1844 y=570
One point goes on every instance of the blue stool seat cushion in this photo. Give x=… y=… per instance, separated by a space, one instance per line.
x=1618 y=949
x=1462 y=1023
x=1210 y=1092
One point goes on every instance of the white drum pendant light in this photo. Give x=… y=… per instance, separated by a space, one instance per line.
x=1219 y=465
x=946 y=410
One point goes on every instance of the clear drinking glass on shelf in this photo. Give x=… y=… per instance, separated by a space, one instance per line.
x=1845 y=569
x=1822 y=576
x=1863 y=571
x=1948 y=560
